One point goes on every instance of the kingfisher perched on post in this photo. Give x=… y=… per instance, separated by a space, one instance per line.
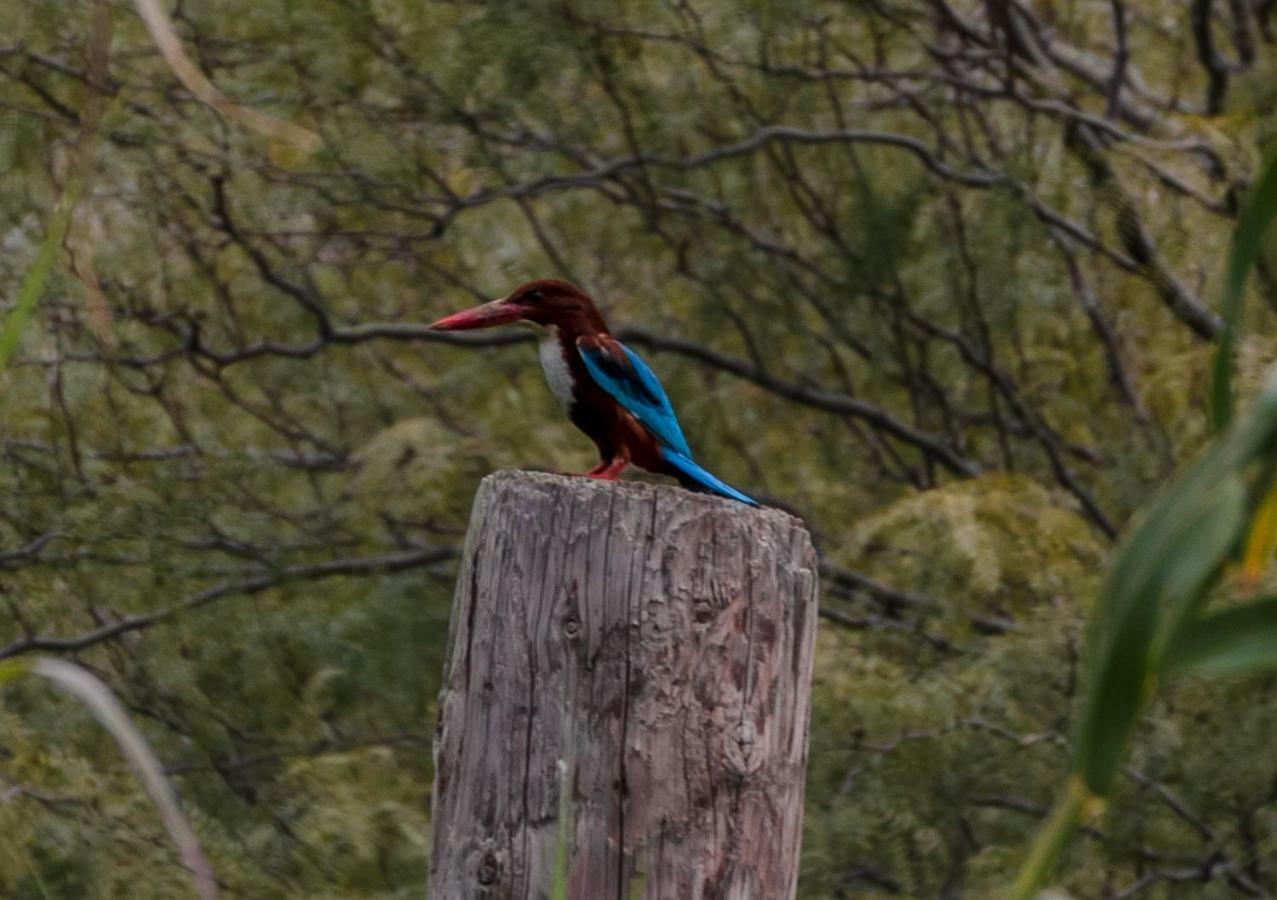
x=605 y=388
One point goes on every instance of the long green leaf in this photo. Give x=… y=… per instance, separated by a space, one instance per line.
x=1142 y=557
x=1258 y=214
x=1051 y=840
x=1201 y=555
x=1116 y=693
x=33 y=283
x=1239 y=641
x=1159 y=581
x=559 y=886
x=36 y=279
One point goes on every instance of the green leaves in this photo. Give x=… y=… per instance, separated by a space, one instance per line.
x=1201 y=552
x=1241 y=641
x=33 y=283
x=1149 y=627
x=1159 y=582
x=559 y=886
x=1149 y=624
x=37 y=277
x=1260 y=210
x=1052 y=838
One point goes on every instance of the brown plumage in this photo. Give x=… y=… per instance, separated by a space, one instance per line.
x=607 y=392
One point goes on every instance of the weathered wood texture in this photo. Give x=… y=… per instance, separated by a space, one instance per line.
x=659 y=644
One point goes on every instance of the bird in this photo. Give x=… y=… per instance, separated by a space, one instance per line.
x=605 y=388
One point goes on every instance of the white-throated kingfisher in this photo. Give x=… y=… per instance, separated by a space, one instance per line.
x=603 y=386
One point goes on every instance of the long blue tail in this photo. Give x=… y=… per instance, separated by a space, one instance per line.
x=695 y=476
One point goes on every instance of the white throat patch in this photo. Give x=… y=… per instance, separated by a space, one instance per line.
x=557 y=374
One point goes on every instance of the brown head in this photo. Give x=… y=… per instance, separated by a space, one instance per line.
x=546 y=302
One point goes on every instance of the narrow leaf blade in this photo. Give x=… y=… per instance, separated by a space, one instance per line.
x=1192 y=547
x=1260 y=210
x=1235 y=642
x=99 y=700
x=33 y=283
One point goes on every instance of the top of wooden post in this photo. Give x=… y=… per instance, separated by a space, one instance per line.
x=633 y=659
x=577 y=488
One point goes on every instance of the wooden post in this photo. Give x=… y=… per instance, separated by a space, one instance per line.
x=656 y=646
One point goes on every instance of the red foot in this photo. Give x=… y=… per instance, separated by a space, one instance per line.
x=596 y=472
x=608 y=471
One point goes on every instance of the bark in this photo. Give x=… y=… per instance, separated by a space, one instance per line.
x=648 y=651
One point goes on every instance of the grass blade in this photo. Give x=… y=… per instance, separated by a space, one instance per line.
x=1184 y=549
x=1258 y=214
x=1200 y=556
x=34 y=282
x=170 y=46
x=1051 y=840
x=37 y=276
x=559 y=886
x=1234 y=642
x=107 y=710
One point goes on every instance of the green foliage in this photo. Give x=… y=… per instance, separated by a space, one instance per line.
x=559 y=882
x=1149 y=624
x=272 y=492
x=37 y=277
x=1259 y=212
x=1238 y=641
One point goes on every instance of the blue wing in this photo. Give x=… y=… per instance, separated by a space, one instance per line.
x=631 y=382
x=619 y=371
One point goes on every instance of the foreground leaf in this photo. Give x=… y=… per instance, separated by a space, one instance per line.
x=1202 y=554
x=559 y=886
x=1184 y=551
x=37 y=277
x=1260 y=210
x=1071 y=808
x=1241 y=641
x=33 y=283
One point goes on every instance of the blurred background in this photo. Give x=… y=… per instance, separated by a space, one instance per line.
x=941 y=277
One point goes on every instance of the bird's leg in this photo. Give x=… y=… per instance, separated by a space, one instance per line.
x=606 y=470
x=609 y=470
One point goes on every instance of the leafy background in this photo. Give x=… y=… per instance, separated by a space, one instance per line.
x=942 y=278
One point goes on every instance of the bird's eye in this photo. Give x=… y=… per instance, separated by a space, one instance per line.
x=533 y=297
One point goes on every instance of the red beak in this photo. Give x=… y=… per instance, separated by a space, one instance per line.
x=498 y=312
